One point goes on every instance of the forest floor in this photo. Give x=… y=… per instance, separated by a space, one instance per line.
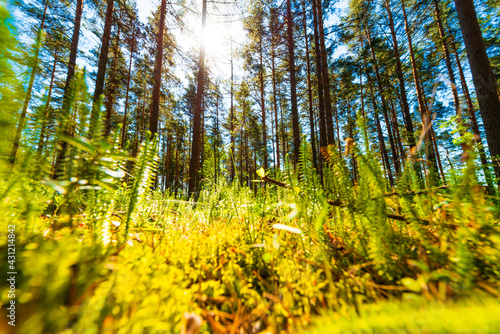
x=244 y=262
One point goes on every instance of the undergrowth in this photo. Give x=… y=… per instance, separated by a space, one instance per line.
x=97 y=254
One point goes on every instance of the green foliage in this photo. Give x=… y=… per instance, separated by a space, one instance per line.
x=10 y=90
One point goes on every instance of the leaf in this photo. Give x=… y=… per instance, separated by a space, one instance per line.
x=267 y=257
x=261 y=172
x=287 y=228
x=59 y=186
x=118 y=174
x=82 y=143
x=107 y=185
x=411 y=284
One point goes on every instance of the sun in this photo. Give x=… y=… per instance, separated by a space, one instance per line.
x=218 y=38
x=216 y=41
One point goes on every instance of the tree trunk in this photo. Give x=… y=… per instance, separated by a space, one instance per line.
x=399 y=71
x=195 y=152
x=384 y=108
x=473 y=122
x=319 y=75
x=45 y=114
x=275 y=97
x=483 y=77
x=262 y=103
x=129 y=75
x=447 y=59
x=233 y=142
x=430 y=142
x=383 y=149
x=155 y=110
x=110 y=100
x=293 y=84
x=330 y=132
x=66 y=107
x=101 y=69
x=309 y=90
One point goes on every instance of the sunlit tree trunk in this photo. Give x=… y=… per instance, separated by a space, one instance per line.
x=263 y=102
x=110 y=99
x=129 y=75
x=319 y=75
x=326 y=77
x=384 y=108
x=275 y=97
x=66 y=107
x=46 y=108
x=293 y=83
x=383 y=149
x=101 y=68
x=309 y=90
x=483 y=77
x=195 y=151
x=155 y=109
x=233 y=143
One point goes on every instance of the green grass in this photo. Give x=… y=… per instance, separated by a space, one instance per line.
x=414 y=315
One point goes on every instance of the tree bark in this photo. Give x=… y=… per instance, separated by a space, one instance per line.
x=483 y=78
x=45 y=114
x=195 y=151
x=110 y=100
x=319 y=74
x=330 y=132
x=129 y=75
x=293 y=83
x=58 y=171
x=399 y=71
x=384 y=108
x=262 y=102
x=429 y=139
x=233 y=143
x=155 y=110
x=309 y=91
x=275 y=99
x=101 y=69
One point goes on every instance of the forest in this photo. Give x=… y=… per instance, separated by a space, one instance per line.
x=250 y=166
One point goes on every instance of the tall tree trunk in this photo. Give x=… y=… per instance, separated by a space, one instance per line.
x=262 y=103
x=66 y=107
x=483 y=77
x=155 y=110
x=101 y=69
x=46 y=108
x=399 y=71
x=27 y=98
x=110 y=100
x=447 y=59
x=309 y=90
x=275 y=97
x=429 y=139
x=195 y=152
x=168 y=160
x=293 y=83
x=129 y=75
x=330 y=132
x=233 y=142
x=473 y=122
x=319 y=74
x=384 y=108
x=383 y=149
